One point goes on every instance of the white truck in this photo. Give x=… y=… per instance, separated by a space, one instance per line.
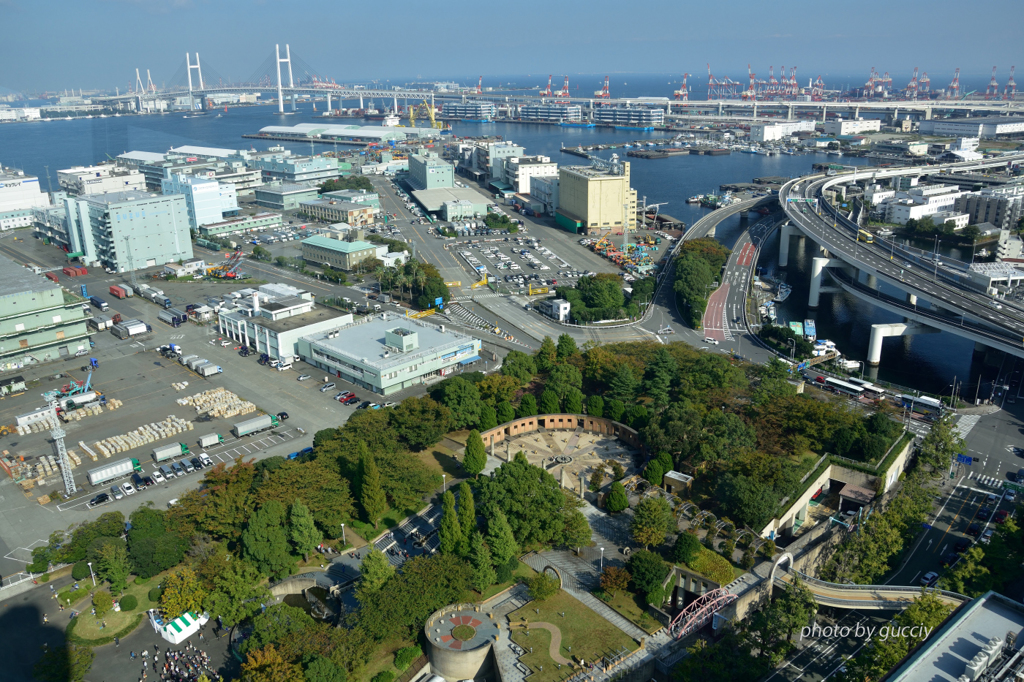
x=109 y=472
x=267 y=421
x=166 y=452
x=208 y=370
x=210 y=439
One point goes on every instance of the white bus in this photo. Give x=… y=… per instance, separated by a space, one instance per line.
x=922 y=404
x=844 y=387
x=870 y=389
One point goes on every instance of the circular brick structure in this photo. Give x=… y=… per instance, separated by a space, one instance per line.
x=460 y=639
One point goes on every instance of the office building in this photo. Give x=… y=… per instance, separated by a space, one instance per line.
x=332 y=211
x=20 y=194
x=596 y=198
x=273 y=318
x=629 y=116
x=341 y=254
x=39 y=321
x=855 y=126
x=487 y=159
x=99 y=179
x=1001 y=211
x=519 y=170
x=475 y=111
x=555 y=308
x=208 y=201
x=429 y=171
x=292 y=169
x=981 y=126
x=769 y=132
x=128 y=230
x=545 y=190
x=284 y=196
x=242 y=224
x=386 y=353
x=356 y=196
x=979 y=641
x=155 y=167
x=551 y=112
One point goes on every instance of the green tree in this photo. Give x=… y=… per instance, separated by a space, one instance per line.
x=618 y=472
x=531 y=498
x=747 y=500
x=475 y=459
x=319 y=668
x=549 y=402
x=422 y=422
x=371 y=493
x=488 y=417
x=576 y=532
x=500 y=538
x=562 y=378
x=614 y=579
x=277 y=623
x=265 y=541
x=67 y=663
x=637 y=417
x=614 y=409
x=520 y=366
x=527 y=406
x=182 y=593
x=114 y=565
x=883 y=654
x=506 y=412
x=652 y=519
x=102 y=602
x=237 y=593
x=648 y=570
x=542 y=586
x=617 y=500
x=653 y=472
x=566 y=347
x=574 y=401
x=304 y=533
x=451 y=535
x=376 y=571
x=595 y=406
x=483 y=563
x=462 y=398
x=597 y=479
x=941 y=445
x=795 y=607
x=659 y=377
x=467 y=510
x=546 y=355
x=686 y=548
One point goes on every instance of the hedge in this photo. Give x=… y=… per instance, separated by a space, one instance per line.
x=124 y=632
x=72 y=596
x=713 y=566
x=80 y=571
x=384 y=676
x=405 y=656
x=128 y=602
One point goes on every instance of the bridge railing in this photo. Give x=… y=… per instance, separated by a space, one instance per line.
x=873 y=588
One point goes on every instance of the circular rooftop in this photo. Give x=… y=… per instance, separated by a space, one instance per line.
x=461 y=627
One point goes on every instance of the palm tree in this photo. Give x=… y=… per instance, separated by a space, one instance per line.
x=399 y=280
x=380 y=273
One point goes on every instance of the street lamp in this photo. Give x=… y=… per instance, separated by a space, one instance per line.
x=343 y=540
x=602 y=559
x=92 y=575
x=444 y=483
x=792 y=350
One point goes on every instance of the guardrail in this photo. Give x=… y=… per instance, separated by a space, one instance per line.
x=852 y=587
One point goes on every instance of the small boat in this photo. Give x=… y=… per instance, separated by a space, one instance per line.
x=784 y=291
x=695 y=199
x=810 y=331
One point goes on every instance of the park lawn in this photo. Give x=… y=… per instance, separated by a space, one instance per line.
x=88 y=626
x=632 y=607
x=382 y=659
x=441 y=460
x=589 y=635
x=522 y=571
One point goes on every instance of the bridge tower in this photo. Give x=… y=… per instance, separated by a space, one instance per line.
x=199 y=71
x=150 y=86
x=291 y=84
x=138 y=82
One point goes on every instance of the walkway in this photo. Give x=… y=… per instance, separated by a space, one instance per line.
x=555 y=648
x=881 y=597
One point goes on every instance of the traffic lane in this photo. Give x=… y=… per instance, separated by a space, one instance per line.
x=714 y=322
x=819 y=656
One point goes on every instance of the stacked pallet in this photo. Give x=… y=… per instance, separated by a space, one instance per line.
x=37 y=427
x=92 y=455
x=219 y=403
x=76 y=461
x=113 y=404
x=180 y=386
x=144 y=435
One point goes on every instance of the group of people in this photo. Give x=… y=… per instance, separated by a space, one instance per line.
x=179 y=665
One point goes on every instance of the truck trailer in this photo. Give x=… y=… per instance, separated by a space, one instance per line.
x=99 y=303
x=118 y=291
x=210 y=439
x=109 y=472
x=208 y=370
x=166 y=452
x=250 y=426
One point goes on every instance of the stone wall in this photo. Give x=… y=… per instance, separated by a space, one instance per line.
x=565 y=422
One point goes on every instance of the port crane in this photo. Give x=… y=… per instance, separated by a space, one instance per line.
x=911 y=89
x=564 y=92
x=992 y=91
x=953 y=91
x=547 y=91
x=480 y=86
x=603 y=93
x=1010 y=91
x=683 y=93
x=430 y=111
x=924 y=85
x=818 y=90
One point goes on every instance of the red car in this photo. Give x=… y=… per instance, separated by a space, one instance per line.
x=820 y=380
x=1001 y=516
x=351 y=400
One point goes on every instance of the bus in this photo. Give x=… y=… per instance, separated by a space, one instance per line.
x=866 y=236
x=921 y=404
x=840 y=386
x=870 y=389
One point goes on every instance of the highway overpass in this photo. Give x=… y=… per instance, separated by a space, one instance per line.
x=872 y=597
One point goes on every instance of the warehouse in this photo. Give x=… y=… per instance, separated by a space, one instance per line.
x=333 y=211
x=434 y=200
x=342 y=254
x=284 y=196
x=386 y=353
x=350 y=133
x=983 y=126
x=259 y=221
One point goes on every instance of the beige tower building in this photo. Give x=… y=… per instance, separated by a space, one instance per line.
x=593 y=198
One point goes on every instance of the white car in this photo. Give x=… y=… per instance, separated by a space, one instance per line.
x=708 y=339
x=225 y=344
x=158 y=477
x=81 y=353
x=128 y=488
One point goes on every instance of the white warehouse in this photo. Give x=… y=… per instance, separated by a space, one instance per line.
x=769 y=132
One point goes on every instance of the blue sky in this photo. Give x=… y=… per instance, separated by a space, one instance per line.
x=56 y=44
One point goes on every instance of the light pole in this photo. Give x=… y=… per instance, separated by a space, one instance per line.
x=92 y=575
x=444 y=483
x=792 y=350
x=602 y=559
x=343 y=540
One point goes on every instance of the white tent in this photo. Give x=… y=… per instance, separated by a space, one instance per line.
x=179 y=629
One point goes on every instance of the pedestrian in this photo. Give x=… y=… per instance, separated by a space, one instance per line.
x=132 y=654
x=117 y=642
x=45 y=618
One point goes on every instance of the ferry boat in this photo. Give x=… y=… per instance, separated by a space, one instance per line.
x=695 y=199
x=810 y=331
x=784 y=291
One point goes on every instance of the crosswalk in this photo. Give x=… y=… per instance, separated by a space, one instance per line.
x=985 y=480
x=965 y=424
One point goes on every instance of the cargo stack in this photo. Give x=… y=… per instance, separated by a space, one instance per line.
x=144 y=435
x=219 y=403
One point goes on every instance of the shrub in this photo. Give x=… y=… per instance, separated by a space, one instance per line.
x=72 y=596
x=139 y=580
x=154 y=594
x=542 y=586
x=102 y=602
x=713 y=566
x=656 y=596
x=728 y=547
x=768 y=548
x=383 y=676
x=748 y=560
x=686 y=549
x=44 y=578
x=129 y=602
x=406 y=655
x=80 y=571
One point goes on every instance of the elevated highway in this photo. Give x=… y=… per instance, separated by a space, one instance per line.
x=870 y=597
x=952 y=304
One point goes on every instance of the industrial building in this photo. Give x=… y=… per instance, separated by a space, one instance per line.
x=155 y=167
x=355 y=196
x=982 y=126
x=128 y=230
x=292 y=169
x=551 y=112
x=100 y=179
x=907 y=148
x=855 y=126
x=629 y=116
x=545 y=191
x=208 y=201
x=350 y=133
x=192 y=266
x=486 y=160
x=242 y=224
x=1001 y=211
x=20 y=194
x=282 y=196
x=429 y=171
x=519 y=170
x=272 y=319
x=919 y=202
x=453 y=203
x=555 y=308
x=386 y=353
x=595 y=198
x=333 y=211
x=475 y=111
x=39 y=321
x=341 y=254
x=769 y=132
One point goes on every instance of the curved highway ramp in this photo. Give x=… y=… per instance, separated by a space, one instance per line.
x=880 y=597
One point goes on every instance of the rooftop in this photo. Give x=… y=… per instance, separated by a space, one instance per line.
x=591 y=171
x=15 y=279
x=285 y=324
x=108 y=198
x=946 y=653
x=338 y=244
x=145 y=157
x=205 y=151
x=338 y=203
x=14 y=174
x=286 y=188
x=432 y=199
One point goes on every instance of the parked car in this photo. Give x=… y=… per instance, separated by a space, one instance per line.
x=328 y=386
x=102 y=498
x=986 y=537
x=1001 y=516
x=303 y=377
x=962 y=545
x=949 y=559
x=351 y=400
x=984 y=514
x=128 y=488
x=148 y=480
x=158 y=477
x=116 y=492
x=196 y=463
x=974 y=530
x=282 y=416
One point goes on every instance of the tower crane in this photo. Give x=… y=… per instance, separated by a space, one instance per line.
x=63 y=462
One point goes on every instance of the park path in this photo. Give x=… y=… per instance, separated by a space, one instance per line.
x=555 y=650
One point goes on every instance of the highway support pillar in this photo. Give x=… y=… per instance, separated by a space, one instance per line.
x=755 y=109
x=818 y=266
x=789 y=113
x=824 y=112
x=880 y=331
x=328 y=102
x=928 y=113
x=979 y=347
x=784 y=234
x=856 y=112
x=721 y=107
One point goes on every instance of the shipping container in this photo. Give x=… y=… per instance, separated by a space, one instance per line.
x=127 y=290
x=82 y=270
x=186 y=358
x=69 y=271
x=109 y=472
x=52 y=277
x=118 y=291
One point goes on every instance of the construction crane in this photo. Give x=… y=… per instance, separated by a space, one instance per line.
x=773 y=85
x=412 y=115
x=63 y=462
x=992 y=91
x=1010 y=91
x=603 y=93
x=430 y=112
x=683 y=93
x=953 y=91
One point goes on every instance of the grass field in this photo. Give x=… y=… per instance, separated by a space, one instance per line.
x=90 y=627
x=632 y=608
x=522 y=571
x=589 y=635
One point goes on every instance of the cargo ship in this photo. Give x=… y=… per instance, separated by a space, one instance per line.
x=810 y=331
